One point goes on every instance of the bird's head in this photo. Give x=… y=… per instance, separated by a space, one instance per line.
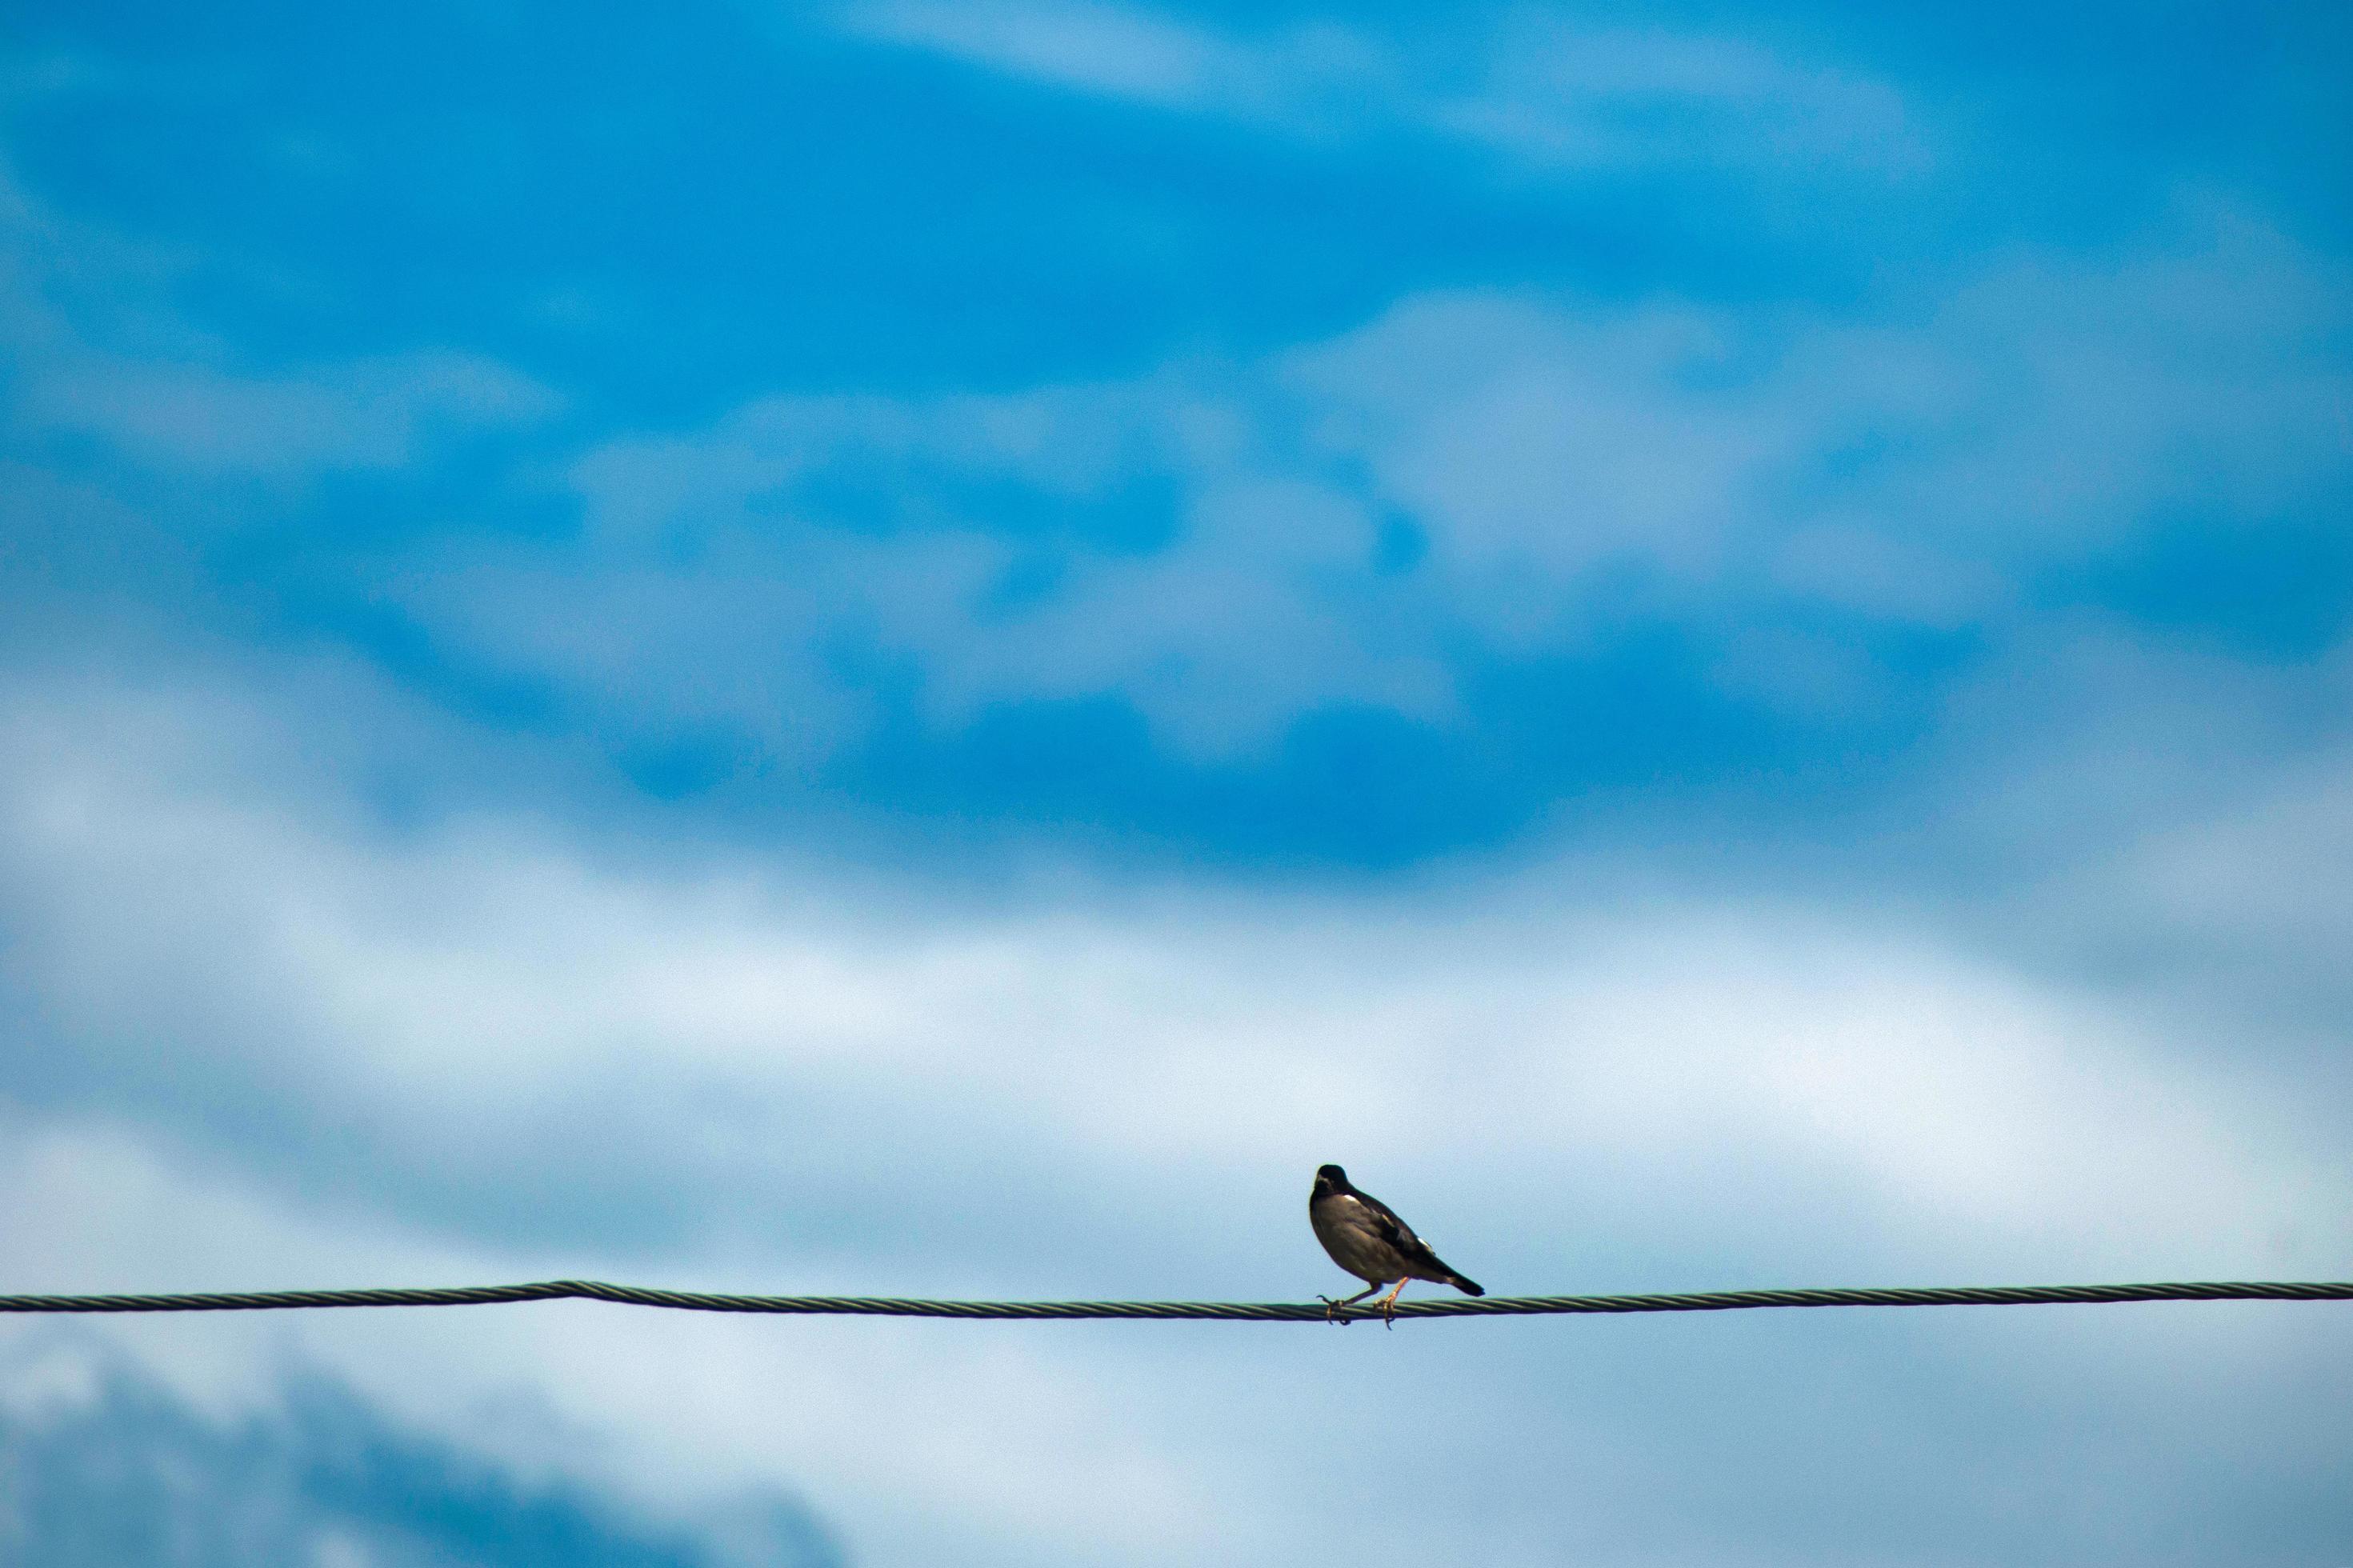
x=1330 y=1179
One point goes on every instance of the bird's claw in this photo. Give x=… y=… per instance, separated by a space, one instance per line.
x=1332 y=1311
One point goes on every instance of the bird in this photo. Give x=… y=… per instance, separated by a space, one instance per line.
x=1366 y=1237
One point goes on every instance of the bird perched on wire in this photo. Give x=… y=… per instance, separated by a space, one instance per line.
x=1366 y=1237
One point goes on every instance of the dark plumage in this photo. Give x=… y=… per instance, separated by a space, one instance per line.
x=1366 y=1237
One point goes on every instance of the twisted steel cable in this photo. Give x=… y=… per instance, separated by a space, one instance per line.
x=1215 y=1311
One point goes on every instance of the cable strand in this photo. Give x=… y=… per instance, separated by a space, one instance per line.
x=1215 y=1311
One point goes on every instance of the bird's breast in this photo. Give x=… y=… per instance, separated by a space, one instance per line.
x=1352 y=1235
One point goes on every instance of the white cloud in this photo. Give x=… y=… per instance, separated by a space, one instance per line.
x=367 y=414
x=1538 y=441
x=101 y=350
x=2050 y=407
x=678 y=1418
x=734 y=551
x=1916 y=467
x=1538 y=91
x=2227 y=876
x=454 y=984
x=1207 y=542
x=1108 y=1090
x=1098 y=48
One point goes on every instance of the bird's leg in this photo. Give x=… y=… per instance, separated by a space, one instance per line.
x=1332 y=1308
x=1389 y=1303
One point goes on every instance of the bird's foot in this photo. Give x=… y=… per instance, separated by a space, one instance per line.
x=1333 y=1309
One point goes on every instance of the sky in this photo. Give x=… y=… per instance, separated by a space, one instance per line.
x=929 y=648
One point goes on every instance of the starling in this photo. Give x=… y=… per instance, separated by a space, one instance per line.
x=1366 y=1237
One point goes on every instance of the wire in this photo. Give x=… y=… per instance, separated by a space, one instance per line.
x=1217 y=1311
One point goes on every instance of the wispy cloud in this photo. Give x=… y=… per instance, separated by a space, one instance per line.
x=1096 y=49
x=370 y=414
x=1541 y=91
x=101 y=350
x=1555 y=94
x=1468 y=479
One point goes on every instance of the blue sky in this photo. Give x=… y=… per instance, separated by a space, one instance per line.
x=932 y=648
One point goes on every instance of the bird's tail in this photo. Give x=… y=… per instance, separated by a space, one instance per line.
x=1468 y=1287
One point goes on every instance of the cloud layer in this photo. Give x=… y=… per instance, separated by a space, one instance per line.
x=790 y=1081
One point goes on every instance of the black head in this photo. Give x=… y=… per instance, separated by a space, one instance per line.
x=1331 y=1179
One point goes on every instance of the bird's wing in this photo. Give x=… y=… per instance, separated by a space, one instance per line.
x=1399 y=1235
